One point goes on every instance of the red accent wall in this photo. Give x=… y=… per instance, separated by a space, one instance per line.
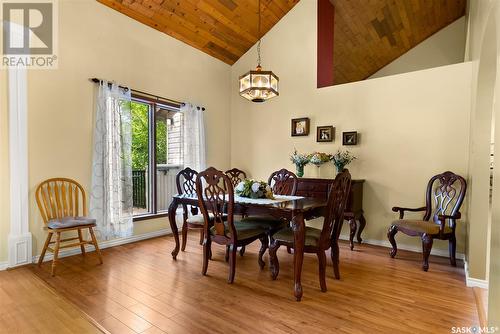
x=326 y=14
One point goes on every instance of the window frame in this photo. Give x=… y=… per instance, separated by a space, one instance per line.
x=153 y=102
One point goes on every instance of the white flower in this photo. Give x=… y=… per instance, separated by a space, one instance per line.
x=255 y=187
x=240 y=186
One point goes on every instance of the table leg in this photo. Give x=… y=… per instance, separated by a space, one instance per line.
x=362 y=224
x=354 y=227
x=172 y=209
x=298 y=226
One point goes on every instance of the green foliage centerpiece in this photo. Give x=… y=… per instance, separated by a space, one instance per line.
x=299 y=160
x=254 y=189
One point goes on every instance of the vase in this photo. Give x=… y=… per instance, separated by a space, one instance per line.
x=300 y=170
x=339 y=168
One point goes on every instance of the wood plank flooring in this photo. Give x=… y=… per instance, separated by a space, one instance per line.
x=140 y=289
x=28 y=305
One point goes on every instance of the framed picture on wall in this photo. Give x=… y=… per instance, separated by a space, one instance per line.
x=325 y=134
x=349 y=138
x=300 y=127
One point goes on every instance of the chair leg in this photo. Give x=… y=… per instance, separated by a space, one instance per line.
x=322 y=269
x=264 y=245
x=80 y=238
x=232 y=263
x=390 y=234
x=47 y=242
x=56 y=253
x=226 y=257
x=273 y=259
x=96 y=246
x=426 y=250
x=452 y=247
x=207 y=254
x=201 y=236
x=242 y=250
x=184 y=236
x=335 y=255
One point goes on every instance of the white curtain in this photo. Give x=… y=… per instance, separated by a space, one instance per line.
x=111 y=193
x=194 y=148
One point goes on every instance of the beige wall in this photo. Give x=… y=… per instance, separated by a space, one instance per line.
x=96 y=41
x=445 y=47
x=412 y=125
x=483 y=49
x=4 y=167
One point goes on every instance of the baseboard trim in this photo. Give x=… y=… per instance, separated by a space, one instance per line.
x=472 y=282
x=415 y=249
x=4 y=265
x=106 y=244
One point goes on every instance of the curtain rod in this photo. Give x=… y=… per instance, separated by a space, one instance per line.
x=96 y=80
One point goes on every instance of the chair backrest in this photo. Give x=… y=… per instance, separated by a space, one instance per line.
x=336 y=203
x=444 y=196
x=283 y=182
x=236 y=176
x=59 y=198
x=216 y=200
x=186 y=181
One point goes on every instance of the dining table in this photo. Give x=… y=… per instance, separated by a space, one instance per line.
x=295 y=209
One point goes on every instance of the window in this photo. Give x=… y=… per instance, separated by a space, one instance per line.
x=156 y=146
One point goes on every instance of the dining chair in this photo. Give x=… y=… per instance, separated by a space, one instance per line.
x=444 y=197
x=216 y=201
x=319 y=240
x=63 y=206
x=191 y=219
x=236 y=176
x=283 y=182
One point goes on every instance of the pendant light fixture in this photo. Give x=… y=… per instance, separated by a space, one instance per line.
x=259 y=85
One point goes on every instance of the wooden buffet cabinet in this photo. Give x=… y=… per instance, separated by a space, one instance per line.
x=318 y=188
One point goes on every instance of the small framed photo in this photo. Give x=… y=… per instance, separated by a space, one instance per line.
x=350 y=138
x=300 y=127
x=325 y=134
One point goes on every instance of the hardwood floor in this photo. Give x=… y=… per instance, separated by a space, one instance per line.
x=140 y=289
x=28 y=305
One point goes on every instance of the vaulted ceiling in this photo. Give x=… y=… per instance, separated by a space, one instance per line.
x=225 y=29
x=368 y=34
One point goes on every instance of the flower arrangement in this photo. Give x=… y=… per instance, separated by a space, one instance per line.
x=254 y=189
x=342 y=159
x=299 y=160
x=319 y=158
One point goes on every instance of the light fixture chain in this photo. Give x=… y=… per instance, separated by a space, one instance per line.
x=258 y=44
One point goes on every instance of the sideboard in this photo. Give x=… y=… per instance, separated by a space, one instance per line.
x=318 y=188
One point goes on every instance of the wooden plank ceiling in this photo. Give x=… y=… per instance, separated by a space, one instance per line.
x=224 y=29
x=370 y=34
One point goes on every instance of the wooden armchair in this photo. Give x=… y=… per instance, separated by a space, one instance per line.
x=216 y=201
x=444 y=196
x=316 y=240
x=63 y=205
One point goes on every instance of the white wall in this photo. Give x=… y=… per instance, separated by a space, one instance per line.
x=445 y=47
x=412 y=125
x=4 y=169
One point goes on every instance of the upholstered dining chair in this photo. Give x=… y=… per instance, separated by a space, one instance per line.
x=319 y=240
x=191 y=218
x=63 y=206
x=236 y=176
x=216 y=201
x=444 y=196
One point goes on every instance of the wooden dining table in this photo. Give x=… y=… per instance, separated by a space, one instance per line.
x=295 y=209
